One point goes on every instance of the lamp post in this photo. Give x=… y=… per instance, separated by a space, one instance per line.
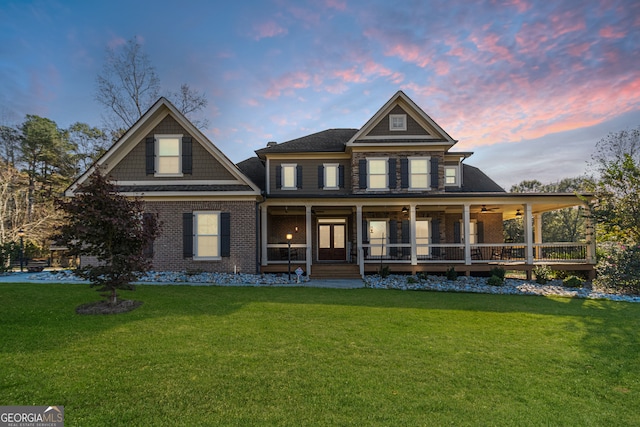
x=21 y=235
x=289 y=237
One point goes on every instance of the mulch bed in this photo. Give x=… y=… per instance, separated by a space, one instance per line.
x=106 y=307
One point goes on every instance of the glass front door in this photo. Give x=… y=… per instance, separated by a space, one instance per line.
x=332 y=240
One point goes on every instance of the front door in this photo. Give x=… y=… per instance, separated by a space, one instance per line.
x=332 y=239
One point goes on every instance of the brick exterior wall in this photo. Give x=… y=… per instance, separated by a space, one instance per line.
x=168 y=247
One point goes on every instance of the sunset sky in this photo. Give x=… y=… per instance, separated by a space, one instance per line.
x=529 y=86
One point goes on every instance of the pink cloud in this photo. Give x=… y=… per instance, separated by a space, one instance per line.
x=409 y=53
x=287 y=83
x=610 y=32
x=268 y=29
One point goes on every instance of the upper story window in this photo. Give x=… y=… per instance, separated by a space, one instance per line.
x=419 y=173
x=331 y=177
x=397 y=122
x=377 y=174
x=168 y=155
x=289 y=176
x=451 y=175
x=207 y=235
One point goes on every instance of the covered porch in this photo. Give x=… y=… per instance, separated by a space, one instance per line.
x=414 y=235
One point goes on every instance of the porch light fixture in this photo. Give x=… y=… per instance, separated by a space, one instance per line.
x=518 y=213
x=405 y=210
x=289 y=238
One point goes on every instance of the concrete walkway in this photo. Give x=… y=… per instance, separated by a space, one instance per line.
x=46 y=277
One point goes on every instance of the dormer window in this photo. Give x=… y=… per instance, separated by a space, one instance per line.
x=397 y=122
x=451 y=175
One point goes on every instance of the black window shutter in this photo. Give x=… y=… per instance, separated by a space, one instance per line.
x=299 y=176
x=225 y=234
x=434 y=173
x=457 y=238
x=392 y=173
x=406 y=237
x=150 y=152
x=404 y=173
x=480 y=230
x=341 y=176
x=365 y=236
x=187 y=235
x=320 y=176
x=435 y=236
x=393 y=237
x=362 y=173
x=278 y=177
x=187 y=156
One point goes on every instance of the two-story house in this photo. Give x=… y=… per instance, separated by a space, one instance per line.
x=341 y=202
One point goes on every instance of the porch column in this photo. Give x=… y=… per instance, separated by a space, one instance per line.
x=263 y=235
x=537 y=234
x=412 y=234
x=466 y=219
x=360 y=254
x=308 y=239
x=528 y=233
x=590 y=236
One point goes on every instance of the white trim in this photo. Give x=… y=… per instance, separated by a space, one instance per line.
x=156 y=142
x=196 y=236
x=427 y=159
x=456 y=177
x=336 y=177
x=294 y=166
x=403 y=123
x=386 y=173
x=181 y=182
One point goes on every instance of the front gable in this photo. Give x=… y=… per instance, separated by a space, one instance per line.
x=163 y=154
x=401 y=121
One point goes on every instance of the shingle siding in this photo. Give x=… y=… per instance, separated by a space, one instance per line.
x=413 y=128
x=205 y=166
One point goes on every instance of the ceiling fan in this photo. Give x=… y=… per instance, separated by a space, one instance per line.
x=485 y=209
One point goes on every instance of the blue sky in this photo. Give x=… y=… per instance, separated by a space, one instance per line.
x=529 y=86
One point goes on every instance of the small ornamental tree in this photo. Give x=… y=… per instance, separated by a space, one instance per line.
x=111 y=228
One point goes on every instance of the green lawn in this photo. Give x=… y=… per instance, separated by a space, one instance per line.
x=291 y=356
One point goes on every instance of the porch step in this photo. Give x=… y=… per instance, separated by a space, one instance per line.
x=335 y=271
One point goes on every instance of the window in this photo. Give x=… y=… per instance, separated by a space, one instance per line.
x=331 y=180
x=289 y=177
x=451 y=175
x=207 y=235
x=378 y=236
x=419 y=173
x=473 y=232
x=397 y=122
x=423 y=236
x=377 y=174
x=168 y=155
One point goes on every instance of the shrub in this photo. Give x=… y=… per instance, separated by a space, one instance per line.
x=495 y=281
x=620 y=269
x=451 y=273
x=411 y=280
x=543 y=274
x=498 y=272
x=422 y=275
x=384 y=271
x=572 y=282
